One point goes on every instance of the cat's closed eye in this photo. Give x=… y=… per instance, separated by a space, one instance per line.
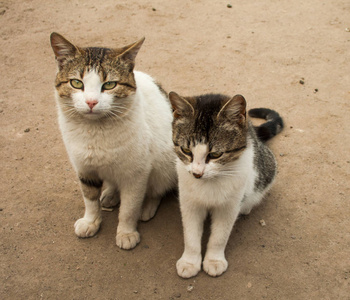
x=109 y=85
x=77 y=84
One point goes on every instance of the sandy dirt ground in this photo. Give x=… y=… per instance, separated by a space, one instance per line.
x=292 y=56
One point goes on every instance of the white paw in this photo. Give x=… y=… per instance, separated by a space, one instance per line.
x=215 y=267
x=84 y=228
x=127 y=240
x=186 y=269
x=109 y=200
x=149 y=209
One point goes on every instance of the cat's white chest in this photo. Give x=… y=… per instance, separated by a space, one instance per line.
x=93 y=146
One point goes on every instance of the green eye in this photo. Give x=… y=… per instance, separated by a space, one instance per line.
x=109 y=85
x=77 y=84
x=215 y=155
x=186 y=151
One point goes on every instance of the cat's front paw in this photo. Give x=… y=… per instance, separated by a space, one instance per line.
x=84 y=228
x=127 y=240
x=215 y=267
x=186 y=269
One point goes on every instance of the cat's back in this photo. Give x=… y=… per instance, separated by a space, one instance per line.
x=155 y=105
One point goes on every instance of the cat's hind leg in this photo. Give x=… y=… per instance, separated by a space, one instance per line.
x=110 y=195
x=160 y=181
x=249 y=202
x=90 y=223
x=150 y=206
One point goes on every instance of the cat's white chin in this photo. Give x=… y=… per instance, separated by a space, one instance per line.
x=92 y=115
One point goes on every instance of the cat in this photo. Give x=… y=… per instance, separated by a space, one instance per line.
x=116 y=127
x=223 y=170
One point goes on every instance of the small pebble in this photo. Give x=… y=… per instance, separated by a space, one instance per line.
x=315 y=91
x=347 y=29
x=229 y=5
x=190 y=288
x=107 y=208
x=301 y=81
x=262 y=223
x=153 y=9
x=27 y=130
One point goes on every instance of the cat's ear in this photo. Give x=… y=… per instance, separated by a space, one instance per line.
x=129 y=52
x=234 y=109
x=63 y=49
x=181 y=106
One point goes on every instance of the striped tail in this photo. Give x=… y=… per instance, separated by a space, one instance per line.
x=269 y=129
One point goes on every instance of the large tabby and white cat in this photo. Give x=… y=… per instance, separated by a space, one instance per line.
x=223 y=168
x=119 y=149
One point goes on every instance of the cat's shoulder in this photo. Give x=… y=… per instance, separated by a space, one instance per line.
x=143 y=78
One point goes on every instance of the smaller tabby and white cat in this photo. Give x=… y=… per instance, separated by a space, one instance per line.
x=119 y=149
x=223 y=169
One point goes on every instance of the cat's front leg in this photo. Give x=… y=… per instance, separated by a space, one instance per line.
x=223 y=219
x=191 y=260
x=131 y=198
x=90 y=223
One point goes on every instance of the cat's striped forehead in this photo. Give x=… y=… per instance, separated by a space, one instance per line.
x=102 y=60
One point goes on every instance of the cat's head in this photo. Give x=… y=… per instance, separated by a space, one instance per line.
x=94 y=83
x=209 y=132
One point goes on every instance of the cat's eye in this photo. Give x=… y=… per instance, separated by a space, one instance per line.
x=109 y=85
x=215 y=155
x=186 y=151
x=77 y=84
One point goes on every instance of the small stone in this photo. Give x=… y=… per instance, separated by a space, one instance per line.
x=281 y=154
x=347 y=29
x=262 y=222
x=301 y=81
x=135 y=292
x=249 y=285
x=27 y=130
x=107 y=208
x=315 y=91
x=154 y=9
x=229 y=5
x=177 y=295
x=190 y=288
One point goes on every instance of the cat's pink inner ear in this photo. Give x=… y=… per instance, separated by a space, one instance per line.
x=132 y=50
x=62 y=47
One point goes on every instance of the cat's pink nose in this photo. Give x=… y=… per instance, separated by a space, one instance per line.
x=91 y=103
x=197 y=175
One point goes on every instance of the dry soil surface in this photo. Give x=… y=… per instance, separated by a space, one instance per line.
x=292 y=56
